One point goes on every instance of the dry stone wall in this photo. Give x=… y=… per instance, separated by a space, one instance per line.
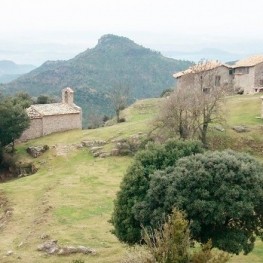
x=60 y=123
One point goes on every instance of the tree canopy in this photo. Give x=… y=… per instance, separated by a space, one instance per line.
x=13 y=118
x=136 y=183
x=221 y=193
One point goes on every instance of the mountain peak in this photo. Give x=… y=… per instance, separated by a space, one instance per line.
x=110 y=38
x=114 y=41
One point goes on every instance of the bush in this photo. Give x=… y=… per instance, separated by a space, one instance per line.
x=221 y=193
x=135 y=183
x=121 y=120
x=171 y=242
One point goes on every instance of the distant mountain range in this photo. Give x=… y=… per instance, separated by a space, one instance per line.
x=10 y=70
x=207 y=53
x=113 y=61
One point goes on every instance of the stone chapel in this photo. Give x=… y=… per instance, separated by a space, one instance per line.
x=55 y=117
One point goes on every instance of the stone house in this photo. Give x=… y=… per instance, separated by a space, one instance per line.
x=248 y=74
x=207 y=75
x=245 y=76
x=55 y=117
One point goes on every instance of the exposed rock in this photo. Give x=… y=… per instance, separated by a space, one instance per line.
x=52 y=247
x=21 y=244
x=21 y=169
x=104 y=154
x=44 y=236
x=79 y=146
x=219 y=128
x=9 y=253
x=72 y=250
x=92 y=143
x=36 y=151
x=49 y=247
x=95 y=148
x=127 y=146
x=240 y=128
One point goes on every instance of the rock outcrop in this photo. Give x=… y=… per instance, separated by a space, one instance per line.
x=36 y=151
x=51 y=247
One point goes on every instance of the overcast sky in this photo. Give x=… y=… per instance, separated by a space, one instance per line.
x=33 y=31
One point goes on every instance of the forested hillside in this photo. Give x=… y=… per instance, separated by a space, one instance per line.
x=93 y=73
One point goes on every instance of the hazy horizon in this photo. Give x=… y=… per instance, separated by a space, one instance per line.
x=33 y=32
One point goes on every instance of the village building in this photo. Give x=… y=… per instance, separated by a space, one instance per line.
x=206 y=75
x=248 y=74
x=245 y=76
x=55 y=117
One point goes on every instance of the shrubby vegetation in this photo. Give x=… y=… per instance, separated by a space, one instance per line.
x=136 y=181
x=13 y=118
x=220 y=192
x=171 y=243
x=45 y=99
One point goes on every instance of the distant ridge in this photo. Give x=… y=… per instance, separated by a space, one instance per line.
x=113 y=61
x=9 y=70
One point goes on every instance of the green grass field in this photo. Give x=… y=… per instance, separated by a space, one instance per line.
x=70 y=198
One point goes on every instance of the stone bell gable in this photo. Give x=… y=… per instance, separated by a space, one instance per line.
x=55 y=117
x=68 y=96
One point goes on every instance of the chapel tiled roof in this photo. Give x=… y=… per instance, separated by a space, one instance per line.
x=39 y=110
x=249 y=62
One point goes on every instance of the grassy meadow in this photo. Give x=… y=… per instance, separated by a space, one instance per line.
x=70 y=198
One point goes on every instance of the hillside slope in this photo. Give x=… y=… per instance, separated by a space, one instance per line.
x=113 y=61
x=70 y=198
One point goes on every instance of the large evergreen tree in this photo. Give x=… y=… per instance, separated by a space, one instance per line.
x=13 y=118
x=136 y=181
x=221 y=193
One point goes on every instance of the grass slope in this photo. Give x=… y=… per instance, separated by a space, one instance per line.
x=71 y=197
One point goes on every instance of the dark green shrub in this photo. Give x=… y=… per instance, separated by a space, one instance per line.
x=221 y=193
x=136 y=183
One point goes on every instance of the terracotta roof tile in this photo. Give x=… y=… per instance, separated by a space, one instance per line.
x=250 y=61
x=207 y=65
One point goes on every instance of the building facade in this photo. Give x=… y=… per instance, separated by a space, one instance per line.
x=245 y=76
x=205 y=75
x=55 y=117
x=248 y=74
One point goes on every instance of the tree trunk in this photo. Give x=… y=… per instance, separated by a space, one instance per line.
x=118 y=115
x=203 y=136
x=13 y=146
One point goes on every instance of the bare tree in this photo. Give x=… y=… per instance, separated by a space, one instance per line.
x=209 y=95
x=176 y=116
x=119 y=95
x=190 y=110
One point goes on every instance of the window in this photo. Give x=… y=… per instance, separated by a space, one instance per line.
x=261 y=82
x=217 y=81
x=243 y=70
